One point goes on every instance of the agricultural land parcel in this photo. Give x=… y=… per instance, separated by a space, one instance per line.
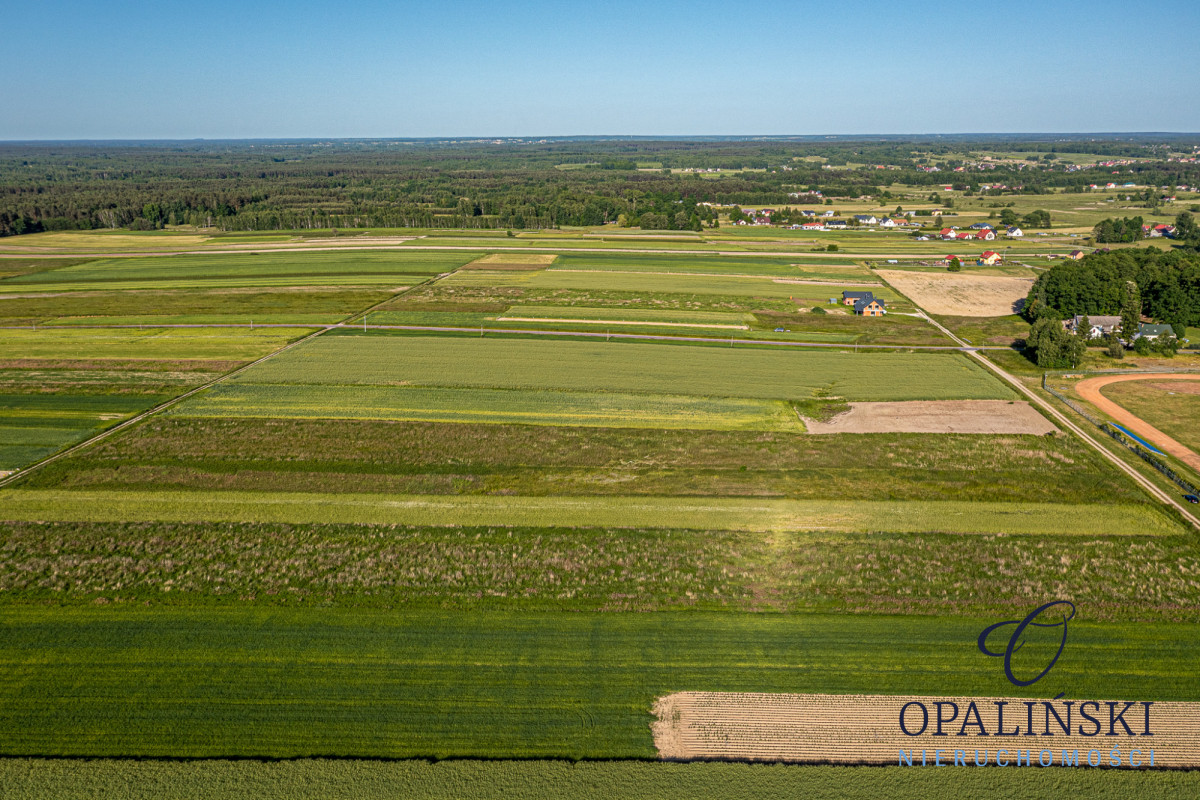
x=67 y=385
x=1171 y=406
x=472 y=379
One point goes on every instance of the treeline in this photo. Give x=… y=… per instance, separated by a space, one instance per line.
x=1167 y=287
x=354 y=184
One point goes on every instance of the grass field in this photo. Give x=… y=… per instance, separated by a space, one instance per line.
x=245 y=269
x=504 y=406
x=711 y=265
x=739 y=514
x=29 y=779
x=651 y=283
x=386 y=360
x=481 y=569
x=256 y=682
x=239 y=306
x=1173 y=409
x=180 y=343
x=699 y=318
x=331 y=455
x=35 y=426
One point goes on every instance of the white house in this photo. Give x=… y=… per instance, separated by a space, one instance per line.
x=866 y=219
x=1014 y=233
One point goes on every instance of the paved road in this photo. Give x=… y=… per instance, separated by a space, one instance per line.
x=1090 y=390
x=1140 y=479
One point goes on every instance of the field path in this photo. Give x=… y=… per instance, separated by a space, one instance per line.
x=1090 y=390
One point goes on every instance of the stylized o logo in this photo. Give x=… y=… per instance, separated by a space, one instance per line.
x=1015 y=643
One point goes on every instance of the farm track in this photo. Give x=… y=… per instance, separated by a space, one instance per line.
x=1062 y=419
x=1090 y=390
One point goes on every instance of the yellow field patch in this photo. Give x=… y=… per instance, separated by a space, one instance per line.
x=513 y=261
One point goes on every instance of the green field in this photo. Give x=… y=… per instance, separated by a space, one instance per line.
x=503 y=406
x=697 y=318
x=35 y=426
x=37 y=779
x=583 y=511
x=311 y=305
x=127 y=343
x=353 y=359
x=283 y=683
x=653 y=283
x=490 y=568
x=712 y=265
x=249 y=269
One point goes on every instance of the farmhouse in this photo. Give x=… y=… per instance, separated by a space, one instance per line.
x=850 y=298
x=979 y=226
x=887 y=222
x=866 y=219
x=988 y=258
x=1014 y=233
x=948 y=233
x=870 y=307
x=1075 y=255
x=1099 y=326
x=812 y=226
x=835 y=223
x=986 y=235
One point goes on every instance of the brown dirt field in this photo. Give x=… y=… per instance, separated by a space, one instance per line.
x=1089 y=390
x=517 y=261
x=864 y=729
x=959 y=294
x=937 y=416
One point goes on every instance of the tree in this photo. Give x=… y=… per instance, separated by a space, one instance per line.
x=1131 y=310
x=955 y=264
x=1008 y=217
x=1052 y=346
x=1115 y=348
x=1036 y=219
x=1084 y=329
x=1185 y=227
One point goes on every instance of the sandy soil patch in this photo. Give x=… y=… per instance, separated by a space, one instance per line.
x=937 y=416
x=960 y=294
x=865 y=729
x=513 y=261
x=1090 y=390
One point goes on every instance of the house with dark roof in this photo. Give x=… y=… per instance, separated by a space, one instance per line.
x=850 y=298
x=1152 y=331
x=1075 y=255
x=870 y=307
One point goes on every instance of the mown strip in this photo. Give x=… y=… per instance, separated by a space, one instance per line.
x=741 y=514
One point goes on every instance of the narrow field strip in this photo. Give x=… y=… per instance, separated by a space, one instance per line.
x=738 y=514
x=624 y=322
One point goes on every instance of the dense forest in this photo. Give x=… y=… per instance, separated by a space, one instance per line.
x=1164 y=285
x=270 y=185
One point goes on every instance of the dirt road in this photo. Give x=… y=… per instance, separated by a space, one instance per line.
x=1090 y=390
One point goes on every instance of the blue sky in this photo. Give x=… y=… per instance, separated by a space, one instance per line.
x=397 y=69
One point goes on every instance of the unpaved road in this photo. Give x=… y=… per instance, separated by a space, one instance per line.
x=1090 y=390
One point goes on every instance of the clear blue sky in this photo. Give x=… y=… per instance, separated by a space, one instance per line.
x=396 y=69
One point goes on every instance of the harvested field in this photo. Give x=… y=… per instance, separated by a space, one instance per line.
x=937 y=416
x=864 y=729
x=1090 y=390
x=960 y=294
x=516 y=261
